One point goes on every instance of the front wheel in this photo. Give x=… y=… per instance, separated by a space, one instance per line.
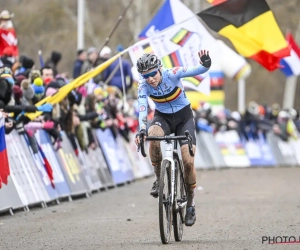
x=164 y=202
x=180 y=201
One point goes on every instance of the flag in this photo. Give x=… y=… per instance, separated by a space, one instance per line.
x=47 y=165
x=251 y=27
x=215 y=2
x=191 y=31
x=291 y=64
x=171 y=12
x=177 y=46
x=4 y=165
x=8 y=39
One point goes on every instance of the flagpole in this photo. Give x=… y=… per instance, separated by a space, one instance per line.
x=289 y=92
x=291 y=82
x=80 y=24
x=123 y=81
x=241 y=95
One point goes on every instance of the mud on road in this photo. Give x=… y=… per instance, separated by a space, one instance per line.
x=235 y=209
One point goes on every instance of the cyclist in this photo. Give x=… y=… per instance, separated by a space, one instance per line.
x=173 y=114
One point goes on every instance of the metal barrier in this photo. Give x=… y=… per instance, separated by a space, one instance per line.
x=39 y=174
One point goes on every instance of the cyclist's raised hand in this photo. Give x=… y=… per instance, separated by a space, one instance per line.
x=139 y=135
x=204 y=58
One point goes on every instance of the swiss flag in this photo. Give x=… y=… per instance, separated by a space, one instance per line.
x=8 y=38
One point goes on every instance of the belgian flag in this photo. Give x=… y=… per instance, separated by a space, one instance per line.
x=251 y=26
x=215 y=2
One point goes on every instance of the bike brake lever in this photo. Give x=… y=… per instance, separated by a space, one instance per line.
x=190 y=143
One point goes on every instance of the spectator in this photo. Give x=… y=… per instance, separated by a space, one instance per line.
x=53 y=61
x=27 y=65
x=93 y=60
x=47 y=74
x=28 y=93
x=81 y=57
x=117 y=76
x=105 y=53
x=8 y=58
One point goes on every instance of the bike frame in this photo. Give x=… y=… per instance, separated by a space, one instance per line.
x=170 y=153
x=169 y=156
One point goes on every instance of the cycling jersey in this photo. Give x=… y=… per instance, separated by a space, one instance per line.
x=169 y=96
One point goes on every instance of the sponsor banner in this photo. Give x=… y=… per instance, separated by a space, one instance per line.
x=21 y=171
x=34 y=171
x=96 y=156
x=60 y=183
x=9 y=196
x=89 y=170
x=116 y=156
x=140 y=165
x=259 y=152
x=212 y=150
x=71 y=167
x=233 y=151
x=283 y=151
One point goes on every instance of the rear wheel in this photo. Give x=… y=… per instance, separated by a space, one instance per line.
x=164 y=200
x=180 y=200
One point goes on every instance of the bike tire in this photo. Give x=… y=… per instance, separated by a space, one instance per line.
x=180 y=195
x=164 y=203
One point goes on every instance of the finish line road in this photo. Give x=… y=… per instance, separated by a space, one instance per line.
x=236 y=208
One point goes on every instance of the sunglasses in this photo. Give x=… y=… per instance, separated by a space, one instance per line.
x=151 y=74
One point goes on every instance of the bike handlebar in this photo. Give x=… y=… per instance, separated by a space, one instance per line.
x=167 y=138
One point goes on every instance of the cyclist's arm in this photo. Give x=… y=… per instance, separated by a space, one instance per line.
x=181 y=72
x=143 y=106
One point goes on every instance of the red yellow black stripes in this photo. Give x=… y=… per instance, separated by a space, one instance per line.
x=181 y=37
x=172 y=60
x=168 y=97
x=147 y=48
x=251 y=26
x=215 y=2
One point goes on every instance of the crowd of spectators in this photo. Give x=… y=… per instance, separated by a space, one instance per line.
x=257 y=120
x=98 y=104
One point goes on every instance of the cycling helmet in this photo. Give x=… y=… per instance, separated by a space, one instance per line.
x=147 y=62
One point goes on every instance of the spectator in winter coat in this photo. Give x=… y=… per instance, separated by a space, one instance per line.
x=81 y=57
x=26 y=66
x=119 y=74
x=93 y=60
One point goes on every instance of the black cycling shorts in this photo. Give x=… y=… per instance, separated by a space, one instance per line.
x=176 y=123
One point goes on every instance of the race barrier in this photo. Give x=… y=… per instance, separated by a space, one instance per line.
x=33 y=183
x=227 y=150
x=39 y=174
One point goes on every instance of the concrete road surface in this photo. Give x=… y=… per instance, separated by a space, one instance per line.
x=235 y=209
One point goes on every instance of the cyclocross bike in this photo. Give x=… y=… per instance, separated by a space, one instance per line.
x=172 y=197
